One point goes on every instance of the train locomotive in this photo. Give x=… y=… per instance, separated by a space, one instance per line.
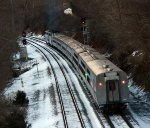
x=106 y=82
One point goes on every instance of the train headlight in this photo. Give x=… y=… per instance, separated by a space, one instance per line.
x=123 y=81
x=100 y=84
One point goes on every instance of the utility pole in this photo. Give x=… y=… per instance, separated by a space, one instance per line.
x=85 y=31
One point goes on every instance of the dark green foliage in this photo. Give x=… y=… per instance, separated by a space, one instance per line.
x=21 y=98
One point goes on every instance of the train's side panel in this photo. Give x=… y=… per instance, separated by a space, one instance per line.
x=48 y=37
x=91 y=80
x=67 y=51
x=107 y=87
x=64 y=48
x=70 y=57
x=75 y=59
x=88 y=77
x=56 y=44
x=101 y=89
x=93 y=85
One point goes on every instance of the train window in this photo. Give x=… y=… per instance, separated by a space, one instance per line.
x=88 y=72
x=81 y=69
x=68 y=53
x=63 y=47
x=82 y=64
x=88 y=79
x=75 y=55
x=75 y=61
x=73 y=65
x=111 y=84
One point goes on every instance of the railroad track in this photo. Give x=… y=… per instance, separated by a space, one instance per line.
x=116 y=120
x=120 y=120
x=109 y=121
x=60 y=90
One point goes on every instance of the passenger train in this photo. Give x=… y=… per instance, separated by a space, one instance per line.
x=106 y=82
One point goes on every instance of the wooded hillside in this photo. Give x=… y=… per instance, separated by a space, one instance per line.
x=119 y=27
x=16 y=16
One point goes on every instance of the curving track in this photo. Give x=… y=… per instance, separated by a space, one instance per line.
x=70 y=110
x=119 y=121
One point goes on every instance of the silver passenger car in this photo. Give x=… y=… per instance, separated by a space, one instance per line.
x=106 y=82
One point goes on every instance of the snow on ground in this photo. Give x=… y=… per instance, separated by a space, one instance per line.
x=77 y=87
x=87 y=110
x=139 y=105
x=43 y=110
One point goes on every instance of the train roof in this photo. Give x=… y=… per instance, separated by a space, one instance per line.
x=95 y=61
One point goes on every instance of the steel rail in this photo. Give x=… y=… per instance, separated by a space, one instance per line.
x=69 y=87
x=127 y=120
x=97 y=107
x=57 y=87
x=72 y=96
